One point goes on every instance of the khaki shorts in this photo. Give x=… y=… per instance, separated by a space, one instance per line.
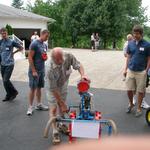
x=136 y=81
x=63 y=92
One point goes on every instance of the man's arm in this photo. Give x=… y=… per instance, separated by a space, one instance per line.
x=18 y=50
x=18 y=46
x=148 y=59
x=81 y=71
x=126 y=65
x=78 y=66
x=128 y=56
x=148 y=64
x=31 y=62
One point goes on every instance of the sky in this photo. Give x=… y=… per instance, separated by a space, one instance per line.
x=145 y=3
x=8 y=2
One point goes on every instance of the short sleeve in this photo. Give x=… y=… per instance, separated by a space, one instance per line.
x=148 y=50
x=74 y=62
x=51 y=80
x=33 y=46
x=46 y=46
x=16 y=44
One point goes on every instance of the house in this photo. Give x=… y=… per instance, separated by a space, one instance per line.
x=24 y=23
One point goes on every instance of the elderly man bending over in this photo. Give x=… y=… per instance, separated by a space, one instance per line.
x=58 y=74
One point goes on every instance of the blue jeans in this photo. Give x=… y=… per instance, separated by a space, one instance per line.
x=6 y=72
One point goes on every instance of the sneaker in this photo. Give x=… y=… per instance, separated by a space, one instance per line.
x=42 y=107
x=129 y=109
x=63 y=128
x=145 y=104
x=30 y=111
x=56 y=138
x=138 y=113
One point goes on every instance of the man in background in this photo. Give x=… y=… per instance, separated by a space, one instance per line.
x=34 y=36
x=93 y=41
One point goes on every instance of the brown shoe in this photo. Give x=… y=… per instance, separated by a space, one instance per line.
x=56 y=138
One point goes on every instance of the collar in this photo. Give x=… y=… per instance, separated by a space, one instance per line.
x=138 y=41
x=5 y=39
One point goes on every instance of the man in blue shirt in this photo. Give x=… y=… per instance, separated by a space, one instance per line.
x=7 y=63
x=137 y=65
x=37 y=57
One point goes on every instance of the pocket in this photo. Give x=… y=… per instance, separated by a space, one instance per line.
x=144 y=72
x=130 y=74
x=142 y=52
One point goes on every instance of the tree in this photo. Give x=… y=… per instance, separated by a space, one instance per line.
x=73 y=21
x=9 y=29
x=17 y=4
x=55 y=10
x=76 y=18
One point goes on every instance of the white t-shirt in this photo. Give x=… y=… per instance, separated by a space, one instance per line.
x=34 y=37
x=125 y=47
x=92 y=38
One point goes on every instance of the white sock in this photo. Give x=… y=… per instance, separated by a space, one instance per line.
x=55 y=131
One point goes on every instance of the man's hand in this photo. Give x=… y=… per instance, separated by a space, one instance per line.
x=84 y=77
x=35 y=74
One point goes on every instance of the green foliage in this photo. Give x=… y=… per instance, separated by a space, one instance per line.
x=83 y=42
x=9 y=29
x=17 y=4
x=77 y=19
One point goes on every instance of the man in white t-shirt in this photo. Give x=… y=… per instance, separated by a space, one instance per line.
x=93 y=41
x=34 y=36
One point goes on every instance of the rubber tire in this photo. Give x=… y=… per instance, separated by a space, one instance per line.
x=114 y=127
x=146 y=116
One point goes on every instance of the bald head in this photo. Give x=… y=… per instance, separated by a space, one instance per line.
x=129 y=37
x=57 y=55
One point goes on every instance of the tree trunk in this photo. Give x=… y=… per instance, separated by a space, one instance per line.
x=105 y=43
x=114 y=44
